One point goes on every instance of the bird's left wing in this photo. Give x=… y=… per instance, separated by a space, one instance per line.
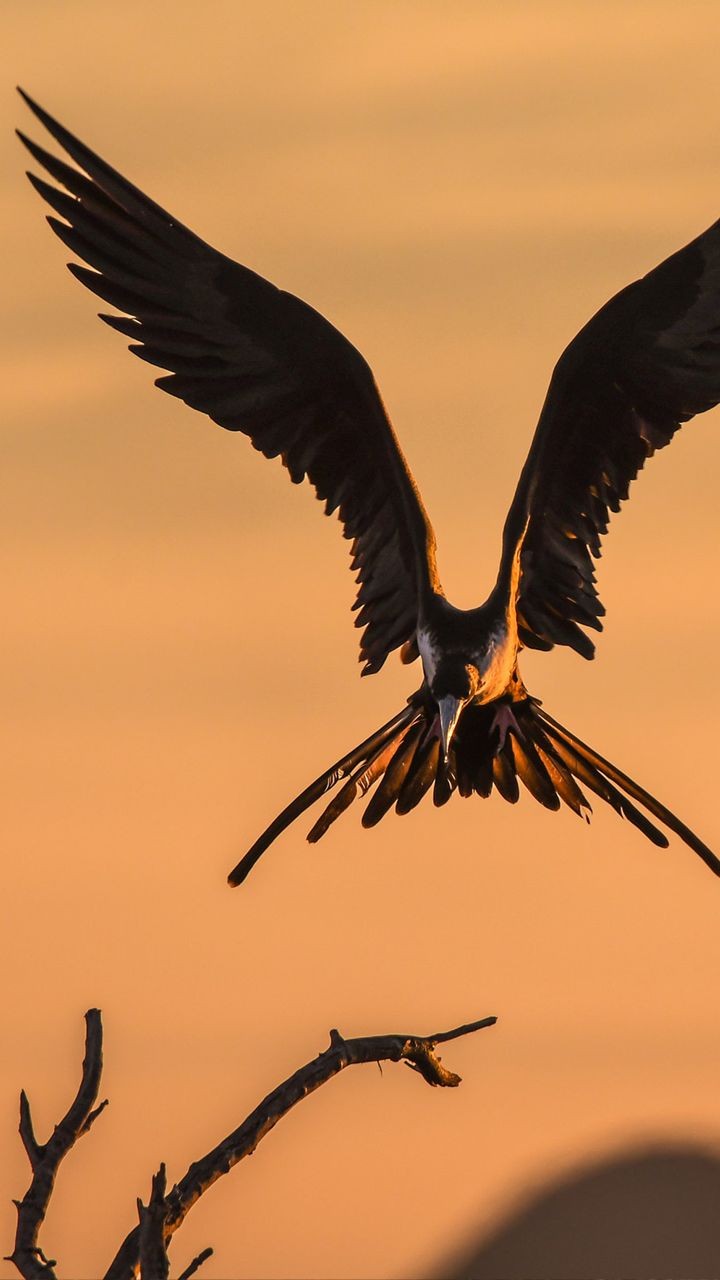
x=646 y=362
x=255 y=359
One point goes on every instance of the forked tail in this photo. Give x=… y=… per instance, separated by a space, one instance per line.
x=493 y=746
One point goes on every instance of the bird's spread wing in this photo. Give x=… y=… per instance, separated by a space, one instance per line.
x=256 y=360
x=647 y=362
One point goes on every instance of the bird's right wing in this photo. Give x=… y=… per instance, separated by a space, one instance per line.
x=646 y=362
x=257 y=360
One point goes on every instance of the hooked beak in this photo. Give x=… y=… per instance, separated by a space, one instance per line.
x=449 y=708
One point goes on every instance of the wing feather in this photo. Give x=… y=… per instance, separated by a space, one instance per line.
x=257 y=360
x=646 y=362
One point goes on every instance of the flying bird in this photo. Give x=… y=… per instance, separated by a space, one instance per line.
x=258 y=360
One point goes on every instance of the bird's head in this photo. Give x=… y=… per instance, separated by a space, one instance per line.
x=454 y=684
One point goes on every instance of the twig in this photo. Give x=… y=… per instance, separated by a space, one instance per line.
x=195 y=1264
x=417 y=1051
x=45 y=1159
x=152 y=1253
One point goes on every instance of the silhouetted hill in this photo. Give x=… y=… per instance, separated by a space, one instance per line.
x=650 y=1214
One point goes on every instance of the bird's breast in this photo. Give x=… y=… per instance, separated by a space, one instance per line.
x=430 y=652
x=497 y=664
x=492 y=651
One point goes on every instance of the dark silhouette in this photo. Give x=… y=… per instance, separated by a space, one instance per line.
x=647 y=1214
x=143 y=1252
x=260 y=361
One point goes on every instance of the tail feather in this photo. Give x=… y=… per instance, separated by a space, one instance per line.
x=395 y=774
x=531 y=770
x=472 y=751
x=359 y=782
x=445 y=784
x=637 y=792
x=481 y=770
x=421 y=775
x=504 y=775
x=579 y=768
x=317 y=789
x=600 y=785
x=562 y=780
x=338 y=805
x=404 y=759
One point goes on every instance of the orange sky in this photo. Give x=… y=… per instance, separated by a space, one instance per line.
x=458 y=187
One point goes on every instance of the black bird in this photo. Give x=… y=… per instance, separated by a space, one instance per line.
x=260 y=361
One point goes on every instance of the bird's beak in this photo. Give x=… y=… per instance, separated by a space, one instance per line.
x=449 y=708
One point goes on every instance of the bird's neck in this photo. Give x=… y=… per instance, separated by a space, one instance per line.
x=486 y=638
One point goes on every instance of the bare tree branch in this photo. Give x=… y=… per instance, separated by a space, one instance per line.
x=143 y=1253
x=45 y=1159
x=152 y=1253
x=417 y=1051
x=195 y=1264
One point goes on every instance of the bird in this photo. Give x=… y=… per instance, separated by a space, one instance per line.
x=258 y=360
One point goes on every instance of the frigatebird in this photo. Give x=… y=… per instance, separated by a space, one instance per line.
x=258 y=360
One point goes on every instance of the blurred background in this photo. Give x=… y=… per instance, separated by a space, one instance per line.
x=458 y=187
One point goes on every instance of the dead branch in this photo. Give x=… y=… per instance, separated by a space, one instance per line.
x=45 y=1158
x=195 y=1264
x=152 y=1253
x=417 y=1051
x=144 y=1250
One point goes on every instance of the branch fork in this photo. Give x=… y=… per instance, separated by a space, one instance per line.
x=143 y=1253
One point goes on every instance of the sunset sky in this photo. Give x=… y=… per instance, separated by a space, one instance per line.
x=458 y=187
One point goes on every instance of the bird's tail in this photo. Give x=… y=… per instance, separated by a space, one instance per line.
x=521 y=743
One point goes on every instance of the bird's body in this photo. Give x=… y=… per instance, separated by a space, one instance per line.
x=262 y=362
x=484 y=638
